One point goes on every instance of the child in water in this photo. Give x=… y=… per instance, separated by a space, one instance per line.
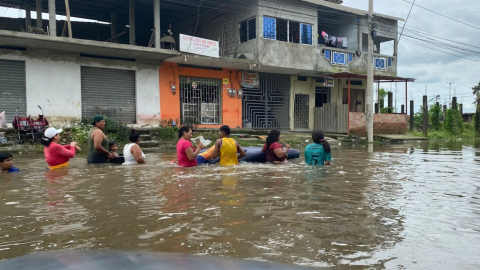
x=113 y=149
x=319 y=152
x=6 y=163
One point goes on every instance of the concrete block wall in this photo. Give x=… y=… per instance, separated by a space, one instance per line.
x=383 y=123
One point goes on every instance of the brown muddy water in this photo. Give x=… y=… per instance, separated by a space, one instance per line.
x=399 y=207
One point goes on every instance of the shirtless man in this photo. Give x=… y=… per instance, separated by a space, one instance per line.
x=97 y=142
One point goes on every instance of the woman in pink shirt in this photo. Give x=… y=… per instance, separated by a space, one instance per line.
x=56 y=155
x=186 y=154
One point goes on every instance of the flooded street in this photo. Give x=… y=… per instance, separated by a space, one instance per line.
x=395 y=208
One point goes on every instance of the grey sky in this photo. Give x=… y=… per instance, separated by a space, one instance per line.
x=431 y=68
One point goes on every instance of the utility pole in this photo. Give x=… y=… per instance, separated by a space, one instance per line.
x=369 y=94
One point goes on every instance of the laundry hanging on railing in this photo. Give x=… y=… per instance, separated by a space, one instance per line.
x=332 y=41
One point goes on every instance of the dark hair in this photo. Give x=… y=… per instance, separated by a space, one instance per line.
x=134 y=137
x=111 y=143
x=182 y=130
x=225 y=129
x=318 y=137
x=46 y=141
x=273 y=136
x=5 y=155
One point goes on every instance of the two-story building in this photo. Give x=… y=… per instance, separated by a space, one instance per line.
x=288 y=64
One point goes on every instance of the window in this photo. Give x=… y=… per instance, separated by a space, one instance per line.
x=288 y=31
x=200 y=100
x=269 y=28
x=248 y=30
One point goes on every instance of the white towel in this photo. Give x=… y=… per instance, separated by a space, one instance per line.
x=345 y=42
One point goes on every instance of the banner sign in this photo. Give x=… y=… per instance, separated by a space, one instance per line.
x=250 y=79
x=199 y=46
x=328 y=81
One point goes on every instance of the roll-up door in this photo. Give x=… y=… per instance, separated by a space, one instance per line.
x=110 y=92
x=12 y=88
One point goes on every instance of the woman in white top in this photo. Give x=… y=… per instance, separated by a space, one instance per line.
x=132 y=152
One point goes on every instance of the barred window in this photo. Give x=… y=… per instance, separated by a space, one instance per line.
x=248 y=30
x=288 y=31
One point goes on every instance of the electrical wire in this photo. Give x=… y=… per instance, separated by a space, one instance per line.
x=408 y=16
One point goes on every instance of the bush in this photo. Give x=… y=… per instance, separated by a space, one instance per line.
x=434 y=115
x=166 y=131
x=116 y=131
x=453 y=122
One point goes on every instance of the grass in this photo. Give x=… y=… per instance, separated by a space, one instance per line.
x=443 y=135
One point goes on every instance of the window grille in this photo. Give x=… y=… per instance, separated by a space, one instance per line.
x=288 y=31
x=269 y=27
x=306 y=33
x=200 y=100
x=282 y=30
x=294 y=32
x=248 y=30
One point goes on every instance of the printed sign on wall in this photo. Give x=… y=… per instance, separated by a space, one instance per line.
x=250 y=79
x=328 y=81
x=199 y=46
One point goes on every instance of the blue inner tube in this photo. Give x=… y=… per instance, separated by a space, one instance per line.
x=133 y=260
x=255 y=154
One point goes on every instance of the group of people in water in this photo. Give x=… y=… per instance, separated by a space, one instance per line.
x=227 y=149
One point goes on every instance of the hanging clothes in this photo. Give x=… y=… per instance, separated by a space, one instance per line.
x=333 y=41
x=345 y=43
x=339 y=41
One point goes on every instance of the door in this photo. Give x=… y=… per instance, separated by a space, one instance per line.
x=13 y=88
x=269 y=106
x=200 y=100
x=110 y=92
x=301 y=111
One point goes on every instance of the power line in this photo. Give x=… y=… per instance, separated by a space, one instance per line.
x=442 y=15
x=408 y=16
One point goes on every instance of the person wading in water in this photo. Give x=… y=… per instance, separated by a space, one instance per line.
x=97 y=142
x=227 y=148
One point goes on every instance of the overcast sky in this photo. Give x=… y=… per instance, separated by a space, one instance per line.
x=431 y=68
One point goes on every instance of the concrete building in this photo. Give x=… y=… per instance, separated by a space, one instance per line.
x=130 y=63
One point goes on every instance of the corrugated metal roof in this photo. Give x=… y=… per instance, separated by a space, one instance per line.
x=350 y=9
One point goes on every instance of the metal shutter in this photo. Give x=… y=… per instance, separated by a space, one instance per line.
x=110 y=92
x=13 y=88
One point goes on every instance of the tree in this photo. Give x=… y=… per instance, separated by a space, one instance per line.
x=434 y=115
x=476 y=89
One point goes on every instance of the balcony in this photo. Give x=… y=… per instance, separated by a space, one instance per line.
x=339 y=60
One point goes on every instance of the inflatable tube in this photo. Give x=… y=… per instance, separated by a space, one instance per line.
x=135 y=260
x=255 y=154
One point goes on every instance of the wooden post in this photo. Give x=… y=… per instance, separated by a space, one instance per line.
x=377 y=108
x=67 y=7
x=348 y=110
x=390 y=102
x=477 y=114
x=406 y=93
x=460 y=109
x=454 y=103
x=403 y=109
x=444 y=112
x=425 y=115
x=411 y=115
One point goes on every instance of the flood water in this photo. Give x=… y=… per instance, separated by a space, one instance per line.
x=399 y=207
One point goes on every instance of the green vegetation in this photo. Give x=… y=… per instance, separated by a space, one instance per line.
x=115 y=131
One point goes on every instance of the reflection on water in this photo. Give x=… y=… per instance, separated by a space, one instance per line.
x=393 y=208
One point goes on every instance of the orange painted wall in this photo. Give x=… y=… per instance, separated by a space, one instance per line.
x=170 y=104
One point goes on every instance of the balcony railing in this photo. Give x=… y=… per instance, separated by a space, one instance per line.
x=383 y=62
x=338 y=57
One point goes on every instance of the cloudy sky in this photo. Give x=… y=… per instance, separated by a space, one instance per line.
x=431 y=68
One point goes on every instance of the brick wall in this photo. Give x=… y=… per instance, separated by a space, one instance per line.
x=383 y=123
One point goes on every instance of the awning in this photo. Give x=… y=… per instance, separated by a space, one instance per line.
x=376 y=78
